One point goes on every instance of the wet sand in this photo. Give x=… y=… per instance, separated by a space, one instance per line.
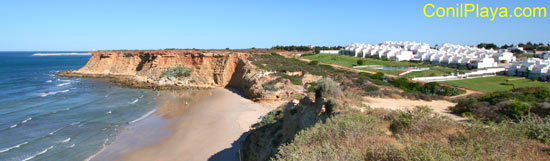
x=211 y=128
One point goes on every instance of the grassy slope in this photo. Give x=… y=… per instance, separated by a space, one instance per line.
x=492 y=84
x=350 y=61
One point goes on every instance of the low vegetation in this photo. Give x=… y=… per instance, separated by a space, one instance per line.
x=347 y=79
x=415 y=135
x=177 y=72
x=497 y=83
x=506 y=105
x=350 y=61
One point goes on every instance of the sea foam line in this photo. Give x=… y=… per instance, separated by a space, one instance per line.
x=100 y=151
x=135 y=101
x=13 y=147
x=65 y=141
x=22 y=122
x=37 y=154
x=44 y=94
x=143 y=117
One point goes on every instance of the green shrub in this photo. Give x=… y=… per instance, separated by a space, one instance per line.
x=371 y=88
x=270 y=86
x=314 y=62
x=516 y=110
x=297 y=80
x=177 y=72
x=360 y=62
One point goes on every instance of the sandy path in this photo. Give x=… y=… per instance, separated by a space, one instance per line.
x=439 y=106
x=211 y=129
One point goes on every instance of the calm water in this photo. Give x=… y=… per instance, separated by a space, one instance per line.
x=45 y=117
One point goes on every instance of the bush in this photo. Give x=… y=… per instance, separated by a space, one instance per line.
x=314 y=62
x=536 y=128
x=371 y=88
x=360 y=62
x=270 y=86
x=326 y=88
x=507 y=105
x=177 y=72
x=517 y=110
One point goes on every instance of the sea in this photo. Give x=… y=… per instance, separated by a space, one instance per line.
x=47 y=117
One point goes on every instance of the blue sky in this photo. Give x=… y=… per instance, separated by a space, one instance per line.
x=54 y=25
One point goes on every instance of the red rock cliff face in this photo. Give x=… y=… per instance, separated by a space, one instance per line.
x=209 y=68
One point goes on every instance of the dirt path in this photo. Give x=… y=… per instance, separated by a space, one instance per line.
x=438 y=106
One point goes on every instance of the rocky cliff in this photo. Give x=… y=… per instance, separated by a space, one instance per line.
x=210 y=68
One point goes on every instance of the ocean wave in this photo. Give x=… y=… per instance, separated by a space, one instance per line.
x=71 y=146
x=49 y=81
x=22 y=122
x=75 y=123
x=141 y=96
x=143 y=117
x=39 y=153
x=135 y=101
x=65 y=141
x=109 y=112
x=100 y=151
x=63 y=84
x=44 y=94
x=13 y=147
x=53 y=132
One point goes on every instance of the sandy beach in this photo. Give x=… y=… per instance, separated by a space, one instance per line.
x=210 y=128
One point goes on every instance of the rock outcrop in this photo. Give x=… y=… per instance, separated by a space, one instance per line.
x=210 y=68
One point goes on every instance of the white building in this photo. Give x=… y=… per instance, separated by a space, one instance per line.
x=532 y=68
x=457 y=56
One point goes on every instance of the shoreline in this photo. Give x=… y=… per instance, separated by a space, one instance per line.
x=189 y=125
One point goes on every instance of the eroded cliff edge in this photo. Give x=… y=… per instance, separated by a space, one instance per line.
x=210 y=68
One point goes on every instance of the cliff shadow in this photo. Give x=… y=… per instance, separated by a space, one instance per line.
x=231 y=153
x=144 y=58
x=237 y=84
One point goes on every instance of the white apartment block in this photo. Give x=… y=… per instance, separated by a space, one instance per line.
x=455 y=56
x=532 y=68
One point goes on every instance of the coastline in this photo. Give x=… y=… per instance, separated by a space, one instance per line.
x=189 y=125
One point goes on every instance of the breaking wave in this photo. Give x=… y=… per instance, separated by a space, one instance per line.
x=38 y=154
x=13 y=147
x=143 y=117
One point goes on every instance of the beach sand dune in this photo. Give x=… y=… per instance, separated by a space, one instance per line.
x=210 y=129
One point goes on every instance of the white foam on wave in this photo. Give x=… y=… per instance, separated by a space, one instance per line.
x=158 y=93
x=63 y=84
x=143 y=117
x=141 y=96
x=75 y=123
x=135 y=101
x=44 y=94
x=56 y=130
x=109 y=112
x=13 y=147
x=65 y=141
x=71 y=146
x=100 y=151
x=26 y=120
x=38 y=154
x=49 y=81
x=22 y=122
